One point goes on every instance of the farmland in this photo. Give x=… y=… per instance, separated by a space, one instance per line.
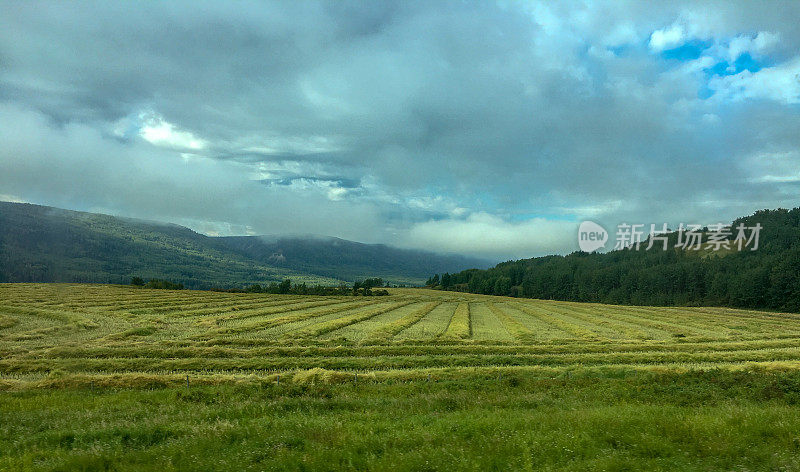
x=89 y=373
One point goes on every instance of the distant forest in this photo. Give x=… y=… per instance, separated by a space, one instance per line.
x=767 y=278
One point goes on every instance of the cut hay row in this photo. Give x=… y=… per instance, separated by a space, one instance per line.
x=600 y=327
x=388 y=331
x=283 y=350
x=217 y=306
x=275 y=309
x=741 y=313
x=332 y=325
x=177 y=379
x=597 y=320
x=623 y=314
x=486 y=327
x=232 y=309
x=711 y=325
x=547 y=316
x=680 y=323
x=142 y=299
x=460 y=326
x=519 y=331
x=40 y=333
x=264 y=324
x=58 y=315
x=103 y=302
x=735 y=319
x=177 y=307
x=635 y=328
x=378 y=363
x=431 y=326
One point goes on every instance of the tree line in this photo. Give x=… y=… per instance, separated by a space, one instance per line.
x=156 y=283
x=367 y=288
x=767 y=278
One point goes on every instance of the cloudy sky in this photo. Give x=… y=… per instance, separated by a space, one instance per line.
x=481 y=128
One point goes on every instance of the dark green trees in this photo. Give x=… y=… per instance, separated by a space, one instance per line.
x=768 y=277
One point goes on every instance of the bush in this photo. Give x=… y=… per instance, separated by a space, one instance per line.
x=163 y=284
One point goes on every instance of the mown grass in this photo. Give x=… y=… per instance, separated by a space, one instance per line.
x=94 y=378
x=460 y=326
x=386 y=332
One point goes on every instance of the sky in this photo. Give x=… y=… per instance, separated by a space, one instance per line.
x=489 y=129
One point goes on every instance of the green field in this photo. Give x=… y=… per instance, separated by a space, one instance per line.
x=99 y=377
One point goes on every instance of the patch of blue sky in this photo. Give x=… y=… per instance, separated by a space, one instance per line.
x=745 y=62
x=742 y=63
x=686 y=52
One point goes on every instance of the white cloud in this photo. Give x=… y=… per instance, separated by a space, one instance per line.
x=774 y=167
x=429 y=110
x=337 y=193
x=490 y=236
x=11 y=198
x=780 y=83
x=597 y=210
x=765 y=41
x=757 y=45
x=157 y=131
x=667 y=38
x=697 y=65
x=78 y=167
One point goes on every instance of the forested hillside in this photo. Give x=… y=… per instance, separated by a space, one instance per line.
x=348 y=260
x=44 y=244
x=768 y=277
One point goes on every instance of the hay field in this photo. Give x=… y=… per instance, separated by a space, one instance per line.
x=98 y=378
x=51 y=333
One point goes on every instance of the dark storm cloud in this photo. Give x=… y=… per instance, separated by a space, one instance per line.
x=399 y=121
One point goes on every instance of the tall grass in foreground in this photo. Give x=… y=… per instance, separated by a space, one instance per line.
x=715 y=420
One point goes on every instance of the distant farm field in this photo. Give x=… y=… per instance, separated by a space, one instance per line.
x=89 y=373
x=96 y=330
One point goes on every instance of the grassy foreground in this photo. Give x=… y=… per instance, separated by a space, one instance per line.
x=95 y=378
x=611 y=420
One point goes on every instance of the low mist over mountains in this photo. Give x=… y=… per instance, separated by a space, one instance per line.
x=45 y=244
x=342 y=259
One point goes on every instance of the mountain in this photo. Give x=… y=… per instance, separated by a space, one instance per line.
x=45 y=244
x=768 y=277
x=342 y=259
